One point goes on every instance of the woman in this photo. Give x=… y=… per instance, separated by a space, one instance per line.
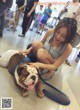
x=54 y=48
x=58 y=44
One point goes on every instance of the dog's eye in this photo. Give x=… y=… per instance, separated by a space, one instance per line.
x=24 y=72
x=33 y=77
x=19 y=70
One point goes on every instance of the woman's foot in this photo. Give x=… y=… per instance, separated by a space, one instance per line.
x=47 y=75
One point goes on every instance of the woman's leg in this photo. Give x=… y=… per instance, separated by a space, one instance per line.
x=44 y=57
x=36 y=45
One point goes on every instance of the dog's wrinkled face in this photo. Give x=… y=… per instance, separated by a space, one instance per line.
x=26 y=76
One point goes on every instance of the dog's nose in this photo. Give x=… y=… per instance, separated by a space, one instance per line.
x=33 y=77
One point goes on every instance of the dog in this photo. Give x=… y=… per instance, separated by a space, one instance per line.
x=25 y=76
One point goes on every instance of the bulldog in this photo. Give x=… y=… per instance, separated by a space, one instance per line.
x=26 y=77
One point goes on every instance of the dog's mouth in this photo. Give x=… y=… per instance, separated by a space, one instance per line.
x=30 y=84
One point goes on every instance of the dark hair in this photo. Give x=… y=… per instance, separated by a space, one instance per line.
x=71 y=25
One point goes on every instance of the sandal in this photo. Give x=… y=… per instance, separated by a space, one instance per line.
x=46 y=75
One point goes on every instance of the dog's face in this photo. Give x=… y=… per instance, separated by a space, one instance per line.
x=26 y=76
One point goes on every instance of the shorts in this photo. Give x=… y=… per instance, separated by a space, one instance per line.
x=43 y=21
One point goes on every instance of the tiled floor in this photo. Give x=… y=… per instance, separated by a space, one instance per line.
x=67 y=78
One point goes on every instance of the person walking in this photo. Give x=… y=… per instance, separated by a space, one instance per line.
x=28 y=15
x=44 y=19
x=21 y=4
x=38 y=17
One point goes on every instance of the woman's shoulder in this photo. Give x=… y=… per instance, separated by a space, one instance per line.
x=51 y=30
x=49 y=33
x=68 y=46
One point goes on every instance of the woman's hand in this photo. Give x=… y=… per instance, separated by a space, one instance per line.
x=25 y=52
x=22 y=53
x=29 y=14
x=36 y=65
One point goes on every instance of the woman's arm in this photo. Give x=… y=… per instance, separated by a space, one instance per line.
x=47 y=35
x=32 y=9
x=57 y=63
x=25 y=52
x=62 y=58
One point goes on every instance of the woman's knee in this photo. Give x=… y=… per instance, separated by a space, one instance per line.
x=42 y=54
x=37 y=45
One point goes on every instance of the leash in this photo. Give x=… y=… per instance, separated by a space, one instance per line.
x=57 y=95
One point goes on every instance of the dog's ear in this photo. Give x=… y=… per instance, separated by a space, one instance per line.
x=19 y=70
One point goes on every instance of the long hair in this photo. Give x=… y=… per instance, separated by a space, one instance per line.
x=71 y=25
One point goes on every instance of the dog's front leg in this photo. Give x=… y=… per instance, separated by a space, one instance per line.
x=24 y=92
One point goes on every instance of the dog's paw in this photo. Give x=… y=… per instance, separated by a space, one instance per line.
x=25 y=94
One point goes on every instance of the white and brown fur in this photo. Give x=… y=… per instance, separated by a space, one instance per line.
x=21 y=72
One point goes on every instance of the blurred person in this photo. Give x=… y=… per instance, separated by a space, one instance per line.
x=9 y=20
x=46 y=15
x=20 y=5
x=38 y=17
x=28 y=15
x=4 y=5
